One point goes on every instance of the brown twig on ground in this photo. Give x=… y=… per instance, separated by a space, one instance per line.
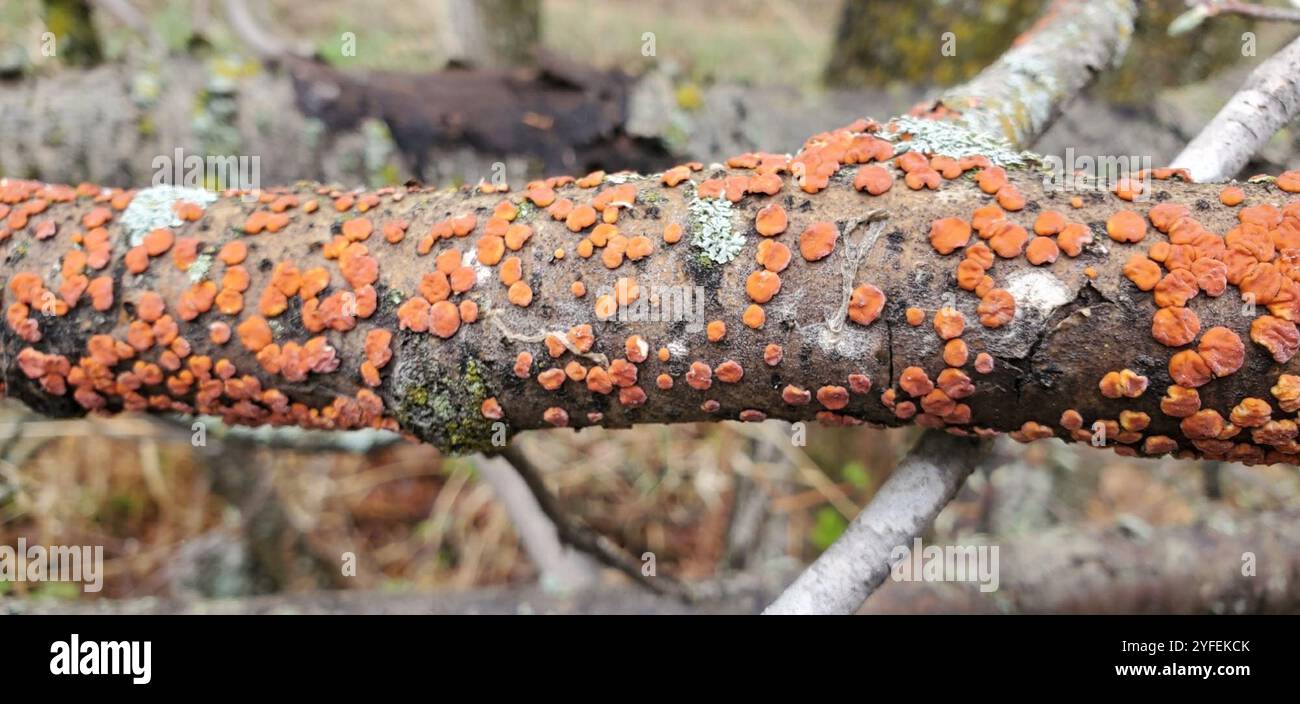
x=574 y=532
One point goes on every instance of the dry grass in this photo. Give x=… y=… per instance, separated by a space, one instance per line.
x=416 y=521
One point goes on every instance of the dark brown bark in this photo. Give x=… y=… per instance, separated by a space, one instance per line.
x=1069 y=329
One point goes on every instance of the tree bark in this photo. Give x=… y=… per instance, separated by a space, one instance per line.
x=1075 y=320
x=1250 y=118
x=1069 y=330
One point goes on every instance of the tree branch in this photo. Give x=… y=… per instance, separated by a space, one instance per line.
x=559 y=566
x=249 y=29
x=1267 y=102
x=851 y=568
x=572 y=531
x=1026 y=89
x=1245 y=9
x=1073 y=322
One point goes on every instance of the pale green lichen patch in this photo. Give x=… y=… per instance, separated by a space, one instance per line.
x=153 y=208
x=444 y=411
x=711 y=228
x=199 y=269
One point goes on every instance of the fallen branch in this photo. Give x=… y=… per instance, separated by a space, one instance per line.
x=1246 y=9
x=572 y=531
x=1072 y=323
x=1266 y=103
x=851 y=568
x=559 y=566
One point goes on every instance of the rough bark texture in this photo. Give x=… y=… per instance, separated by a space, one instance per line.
x=1070 y=329
x=1076 y=319
x=859 y=560
x=1268 y=100
x=1023 y=92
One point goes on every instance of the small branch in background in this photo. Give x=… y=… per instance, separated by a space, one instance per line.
x=572 y=531
x=128 y=14
x=559 y=565
x=1021 y=94
x=249 y=29
x=755 y=531
x=360 y=442
x=851 y=569
x=491 y=33
x=1269 y=100
x=1211 y=8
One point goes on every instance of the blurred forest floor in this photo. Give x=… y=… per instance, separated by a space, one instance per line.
x=417 y=522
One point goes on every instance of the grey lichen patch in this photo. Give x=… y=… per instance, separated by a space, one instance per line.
x=624 y=177
x=711 y=228
x=199 y=269
x=154 y=207
x=443 y=410
x=954 y=140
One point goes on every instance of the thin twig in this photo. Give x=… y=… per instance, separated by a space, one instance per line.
x=574 y=532
x=249 y=29
x=566 y=567
x=1246 y=9
x=851 y=569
